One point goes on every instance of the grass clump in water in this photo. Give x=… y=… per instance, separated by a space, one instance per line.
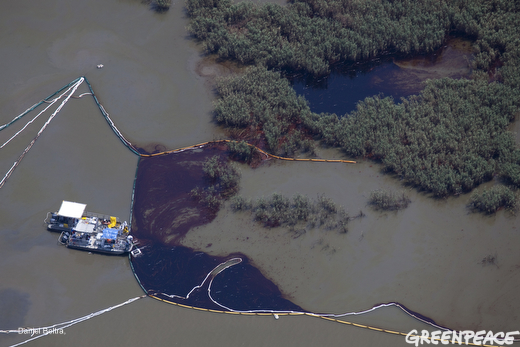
x=241 y=150
x=491 y=200
x=221 y=174
x=239 y=203
x=223 y=178
x=162 y=5
x=388 y=200
x=299 y=213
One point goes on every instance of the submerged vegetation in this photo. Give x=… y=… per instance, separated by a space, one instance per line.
x=299 y=213
x=223 y=178
x=491 y=200
x=388 y=200
x=447 y=140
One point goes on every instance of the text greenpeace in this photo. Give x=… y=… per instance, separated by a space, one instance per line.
x=466 y=337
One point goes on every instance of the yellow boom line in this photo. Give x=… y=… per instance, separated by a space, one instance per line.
x=252 y=146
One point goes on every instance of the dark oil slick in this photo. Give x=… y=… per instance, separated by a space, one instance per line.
x=164 y=212
x=390 y=75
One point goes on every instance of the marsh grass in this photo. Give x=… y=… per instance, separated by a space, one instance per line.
x=491 y=200
x=159 y=6
x=239 y=203
x=312 y=34
x=299 y=213
x=447 y=140
x=263 y=103
x=241 y=151
x=387 y=200
x=223 y=178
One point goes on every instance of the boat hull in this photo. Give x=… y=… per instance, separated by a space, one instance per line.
x=97 y=250
x=58 y=228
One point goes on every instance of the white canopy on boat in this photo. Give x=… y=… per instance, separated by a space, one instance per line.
x=71 y=209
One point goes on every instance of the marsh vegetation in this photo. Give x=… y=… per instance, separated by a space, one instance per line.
x=491 y=200
x=222 y=178
x=241 y=150
x=447 y=140
x=159 y=6
x=298 y=213
x=311 y=35
x=263 y=104
x=383 y=199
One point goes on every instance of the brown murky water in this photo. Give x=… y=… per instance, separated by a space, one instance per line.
x=426 y=256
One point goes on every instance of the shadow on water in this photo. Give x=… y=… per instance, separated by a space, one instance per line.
x=163 y=214
x=387 y=75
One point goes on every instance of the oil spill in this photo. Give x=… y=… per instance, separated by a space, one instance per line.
x=387 y=75
x=163 y=209
x=242 y=287
x=163 y=214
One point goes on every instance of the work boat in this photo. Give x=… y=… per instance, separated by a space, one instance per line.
x=87 y=231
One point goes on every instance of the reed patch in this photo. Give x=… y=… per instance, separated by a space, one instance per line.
x=299 y=213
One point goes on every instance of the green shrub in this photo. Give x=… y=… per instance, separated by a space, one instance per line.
x=263 y=100
x=327 y=205
x=239 y=203
x=221 y=174
x=449 y=139
x=312 y=34
x=163 y=4
x=388 y=200
x=279 y=210
x=241 y=150
x=492 y=199
x=223 y=179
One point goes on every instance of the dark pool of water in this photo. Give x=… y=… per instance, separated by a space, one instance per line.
x=387 y=76
x=341 y=90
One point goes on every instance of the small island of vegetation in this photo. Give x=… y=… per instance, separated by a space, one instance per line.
x=383 y=199
x=298 y=213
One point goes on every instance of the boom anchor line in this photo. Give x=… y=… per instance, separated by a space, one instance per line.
x=71 y=88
